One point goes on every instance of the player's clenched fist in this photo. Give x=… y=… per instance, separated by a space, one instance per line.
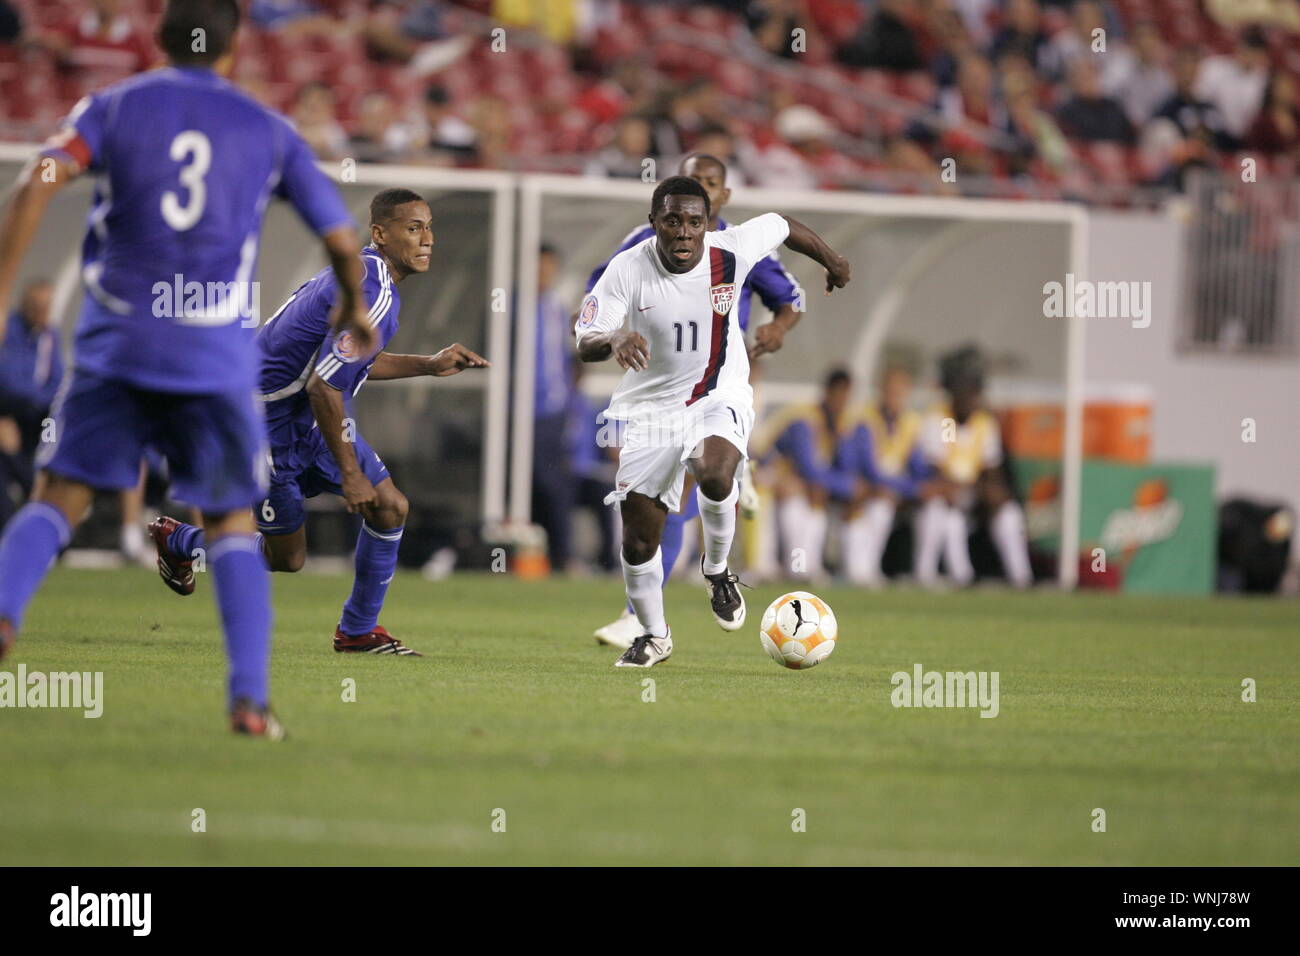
x=837 y=274
x=453 y=359
x=631 y=350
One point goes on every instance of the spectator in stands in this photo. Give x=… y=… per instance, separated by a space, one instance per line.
x=1089 y=114
x=1040 y=146
x=31 y=369
x=956 y=42
x=1235 y=83
x=885 y=41
x=772 y=24
x=490 y=118
x=625 y=157
x=1232 y=13
x=11 y=24
x=99 y=47
x=448 y=140
x=379 y=137
x=1023 y=32
x=803 y=157
x=313 y=116
x=1195 y=117
x=718 y=141
x=1276 y=129
x=1139 y=76
x=553 y=384
x=412 y=32
x=1084 y=38
x=297 y=16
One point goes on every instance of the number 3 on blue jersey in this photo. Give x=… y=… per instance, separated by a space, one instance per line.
x=195 y=147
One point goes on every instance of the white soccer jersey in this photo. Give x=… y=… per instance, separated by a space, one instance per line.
x=689 y=319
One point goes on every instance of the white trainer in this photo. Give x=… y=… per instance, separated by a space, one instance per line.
x=619 y=633
x=647 y=651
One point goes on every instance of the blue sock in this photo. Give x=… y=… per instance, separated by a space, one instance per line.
x=376 y=561
x=244 y=600
x=670 y=544
x=182 y=542
x=32 y=540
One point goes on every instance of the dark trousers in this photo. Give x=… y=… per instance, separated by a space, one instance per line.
x=553 y=491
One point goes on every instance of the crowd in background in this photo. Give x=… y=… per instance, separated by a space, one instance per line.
x=1037 y=97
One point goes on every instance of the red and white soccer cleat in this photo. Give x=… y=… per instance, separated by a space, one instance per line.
x=176 y=574
x=247 y=718
x=378 y=641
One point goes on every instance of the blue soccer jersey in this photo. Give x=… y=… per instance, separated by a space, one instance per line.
x=297 y=340
x=768 y=277
x=185 y=165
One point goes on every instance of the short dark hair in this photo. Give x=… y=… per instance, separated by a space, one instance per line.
x=677 y=186
x=216 y=19
x=838 y=377
x=385 y=203
x=704 y=158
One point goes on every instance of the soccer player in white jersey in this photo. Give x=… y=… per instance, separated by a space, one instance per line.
x=665 y=309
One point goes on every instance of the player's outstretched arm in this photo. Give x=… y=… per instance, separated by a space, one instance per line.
x=454 y=358
x=806 y=242
x=630 y=349
x=350 y=309
x=327 y=405
x=22 y=215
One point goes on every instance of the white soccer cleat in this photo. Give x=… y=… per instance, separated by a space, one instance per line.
x=620 y=633
x=725 y=600
x=647 y=651
x=748 y=502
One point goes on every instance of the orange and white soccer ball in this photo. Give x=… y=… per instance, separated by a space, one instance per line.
x=798 y=630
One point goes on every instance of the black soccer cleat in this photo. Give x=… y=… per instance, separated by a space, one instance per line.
x=647 y=651
x=725 y=599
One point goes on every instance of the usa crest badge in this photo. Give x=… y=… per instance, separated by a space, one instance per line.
x=723 y=297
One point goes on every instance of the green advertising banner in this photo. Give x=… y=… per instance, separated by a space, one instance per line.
x=1154 y=524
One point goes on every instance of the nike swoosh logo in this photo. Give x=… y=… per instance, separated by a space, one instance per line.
x=646 y=309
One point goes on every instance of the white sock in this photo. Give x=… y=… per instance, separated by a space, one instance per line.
x=956 y=547
x=718 y=528
x=865 y=540
x=1008 y=528
x=645 y=589
x=930 y=522
x=793 y=515
x=816 y=553
x=765 y=540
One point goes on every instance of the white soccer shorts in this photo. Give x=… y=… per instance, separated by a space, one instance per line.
x=656 y=447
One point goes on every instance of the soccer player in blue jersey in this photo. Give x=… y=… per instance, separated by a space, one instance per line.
x=185 y=165
x=309 y=375
x=778 y=291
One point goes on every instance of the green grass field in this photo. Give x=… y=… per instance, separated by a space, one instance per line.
x=1130 y=705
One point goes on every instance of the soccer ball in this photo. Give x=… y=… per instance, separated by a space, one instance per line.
x=798 y=630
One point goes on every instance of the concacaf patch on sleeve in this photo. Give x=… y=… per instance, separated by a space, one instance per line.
x=588 y=313
x=345 y=347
